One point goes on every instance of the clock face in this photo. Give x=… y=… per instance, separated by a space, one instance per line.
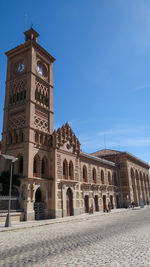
x=20 y=67
x=40 y=69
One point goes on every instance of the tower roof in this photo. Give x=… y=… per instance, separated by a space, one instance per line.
x=30 y=39
x=31 y=34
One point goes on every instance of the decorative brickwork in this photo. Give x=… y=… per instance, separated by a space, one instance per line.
x=59 y=167
x=41 y=123
x=41 y=120
x=42 y=94
x=64 y=135
x=16 y=121
x=76 y=169
x=17 y=91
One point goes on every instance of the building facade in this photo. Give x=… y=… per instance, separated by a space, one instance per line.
x=57 y=178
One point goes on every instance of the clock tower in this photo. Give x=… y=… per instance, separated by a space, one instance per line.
x=28 y=118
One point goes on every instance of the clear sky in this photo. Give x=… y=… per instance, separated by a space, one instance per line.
x=102 y=67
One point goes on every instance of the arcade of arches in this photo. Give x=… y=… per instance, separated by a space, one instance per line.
x=140 y=186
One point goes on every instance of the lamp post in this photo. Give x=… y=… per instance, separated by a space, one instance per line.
x=13 y=159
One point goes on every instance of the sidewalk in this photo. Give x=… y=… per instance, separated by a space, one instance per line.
x=29 y=224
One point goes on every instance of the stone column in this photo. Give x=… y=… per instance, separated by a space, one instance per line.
x=29 y=205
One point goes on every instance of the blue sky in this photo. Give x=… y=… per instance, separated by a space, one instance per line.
x=102 y=67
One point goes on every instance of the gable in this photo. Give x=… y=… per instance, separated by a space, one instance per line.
x=65 y=138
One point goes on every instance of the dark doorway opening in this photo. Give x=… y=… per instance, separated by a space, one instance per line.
x=117 y=201
x=111 y=201
x=104 y=203
x=96 y=203
x=86 y=203
x=38 y=195
x=38 y=205
x=69 y=202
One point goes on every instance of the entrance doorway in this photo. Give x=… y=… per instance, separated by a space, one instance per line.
x=117 y=201
x=86 y=203
x=38 y=205
x=96 y=203
x=38 y=195
x=111 y=201
x=69 y=202
x=104 y=202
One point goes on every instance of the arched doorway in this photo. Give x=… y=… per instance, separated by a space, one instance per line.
x=117 y=201
x=133 y=179
x=39 y=205
x=38 y=195
x=96 y=203
x=104 y=202
x=69 y=202
x=111 y=201
x=86 y=203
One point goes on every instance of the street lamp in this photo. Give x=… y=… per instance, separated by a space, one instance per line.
x=13 y=159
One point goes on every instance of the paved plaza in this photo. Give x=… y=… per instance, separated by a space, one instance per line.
x=112 y=240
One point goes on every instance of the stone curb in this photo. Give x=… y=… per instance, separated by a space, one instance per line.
x=61 y=220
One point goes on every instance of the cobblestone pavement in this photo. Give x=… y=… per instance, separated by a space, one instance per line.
x=114 y=240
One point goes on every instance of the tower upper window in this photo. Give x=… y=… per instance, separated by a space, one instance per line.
x=40 y=69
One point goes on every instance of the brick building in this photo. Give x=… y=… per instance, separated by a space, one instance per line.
x=57 y=178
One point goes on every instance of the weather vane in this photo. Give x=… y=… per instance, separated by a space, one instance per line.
x=31 y=24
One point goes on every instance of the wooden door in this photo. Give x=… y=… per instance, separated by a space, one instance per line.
x=96 y=203
x=69 y=202
x=86 y=203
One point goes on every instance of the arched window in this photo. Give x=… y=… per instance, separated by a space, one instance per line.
x=36 y=166
x=36 y=137
x=71 y=172
x=10 y=138
x=109 y=178
x=21 y=136
x=17 y=98
x=115 y=180
x=43 y=167
x=16 y=137
x=41 y=139
x=65 y=169
x=45 y=141
x=84 y=174
x=94 y=176
x=102 y=177
x=20 y=166
x=132 y=173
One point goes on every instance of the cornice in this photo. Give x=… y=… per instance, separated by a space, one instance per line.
x=23 y=76
x=27 y=44
x=69 y=153
x=136 y=160
x=106 y=162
